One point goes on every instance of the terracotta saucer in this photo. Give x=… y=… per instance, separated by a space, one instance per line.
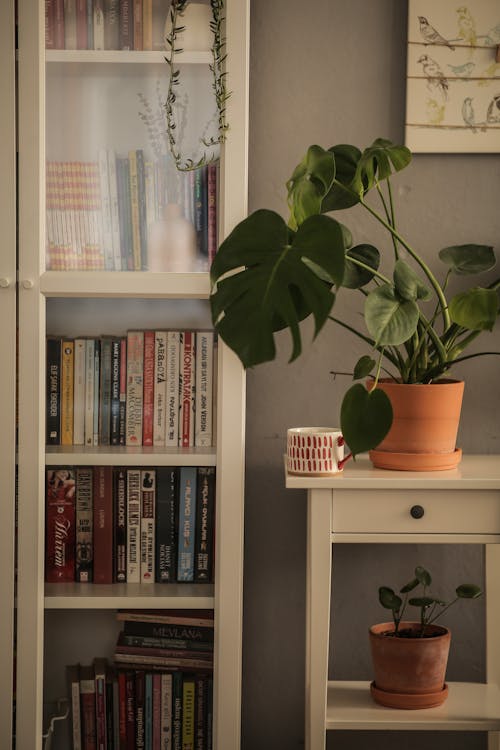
x=408 y=700
x=416 y=461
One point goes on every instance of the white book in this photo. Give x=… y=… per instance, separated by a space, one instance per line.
x=107 y=236
x=69 y=24
x=172 y=388
x=133 y=525
x=160 y=389
x=89 y=391
x=98 y=24
x=79 y=392
x=113 y=201
x=135 y=385
x=203 y=413
x=148 y=497
x=187 y=389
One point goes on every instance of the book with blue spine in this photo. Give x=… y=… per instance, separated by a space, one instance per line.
x=187 y=519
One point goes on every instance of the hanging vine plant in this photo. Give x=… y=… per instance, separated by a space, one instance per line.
x=177 y=9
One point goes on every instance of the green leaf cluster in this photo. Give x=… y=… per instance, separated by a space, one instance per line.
x=430 y=607
x=268 y=276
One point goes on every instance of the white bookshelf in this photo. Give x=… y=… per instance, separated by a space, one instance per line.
x=62 y=624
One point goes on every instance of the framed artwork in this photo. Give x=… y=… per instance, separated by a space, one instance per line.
x=453 y=77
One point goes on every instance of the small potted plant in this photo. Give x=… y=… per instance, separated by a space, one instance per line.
x=269 y=275
x=410 y=658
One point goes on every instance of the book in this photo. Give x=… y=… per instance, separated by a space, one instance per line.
x=140 y=697
x=84 y=524
x=73 y=679
x=182 y=644
x=122 y=413
x=97 y=381
x=204 y=389
x=148 y=492
x=122 y=711
x=134 y=209
x=160 y=389
x=201 y=210
x=107 y=235
x=126 y=27
x=135 y=386
x=200 y=712
x=81 y=24
x=130 y=706
x=120 y=523
x=50 y=21
x=98 y=24
x=88 y=712
x=162 y=662
x=111 y=25
x=89 y=392
x=141 y=194
x=210 y=713
x=79 y=393
x=114 y=427
x=187 y=521
x=176 y=654
x=172 y=388
x=125 y=213
x=53 y=391
x=156 y=712
x=188 y=715
x=197 y=634
x=67 y=386
x=212 y=235
x=148 y=393
x=166 y=711
x=100 y=665
x=70 y=24
x=103 y=524
x=177 y=711
x=133 y=525
x=204 y=525
x=187 y=386
x=105 y=391
x=111 y=12
x=137 y=27
x=60 y=526
x=112 y=733
x=147 y=24
x=148 y=711
x=167 y=493
x=203 y=618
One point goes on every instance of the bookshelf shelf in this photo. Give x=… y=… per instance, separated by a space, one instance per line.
x=128 y=596
x=129 y=456
x=125 y=57
x=133 y=284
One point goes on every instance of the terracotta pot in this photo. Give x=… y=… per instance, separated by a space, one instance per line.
x=409 y=672
x=425 y=425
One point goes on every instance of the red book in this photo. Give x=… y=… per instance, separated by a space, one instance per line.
x=87 y=705
x=148 y=397
x=122 y=710
x=81 y=24
x=100 y=702
x=59 y=24
x=187 y=389
x=130 y=693
x=50 y=24
x=60 y=526
x=103 y=524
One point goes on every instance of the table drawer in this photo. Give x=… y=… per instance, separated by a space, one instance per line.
x=423 y=512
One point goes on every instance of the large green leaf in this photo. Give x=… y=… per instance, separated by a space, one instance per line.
x=378 y=162
x=262 y=281
x=354 y=276
x=408 y=284
x=390 y=320
x=468 y=259
x=309 y=183
x=341 y=194
x=476 y=309
x=365 y=418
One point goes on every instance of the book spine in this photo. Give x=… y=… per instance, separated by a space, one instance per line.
x=110 y=708
x=204 y=389
x=201 y=209
x=147 y=24
x=135 y=386
x=140 y=695
x=187 y=386
x=171 y=644
x=166 y=711
x=98 y=24
x=148 y=711
x=87 y=698
x=141 y=192
x=133 y=525
x=90 y=24
x=112 y=176
x=167 y=484
x=105 y=202
x=148 y=492
x=70 y=40
x=159 y=391
x=122 y=711
x=103 y=524
x=60 y=526
x=120 y=519
x=111 y=24
x=50 y=23
x=105 y=393
x=121 y=176
x=89 y=391
x=169 y=630
x=156 y=718
x=200 y=713
x=53 y=387
x=123 y=392
x=205 y=520
x=79 y=393
x=73 y=678
x=128 y=248
x=137 y=24
x=84 y=524
x=81 y=24
x=126 y=27
x=210 y=713
x=130 y=698
x=148 y=393
x=134 y=210
x=212 y=238
x=115 y=393
x=97 y=380
x=100 y=703
x=177 y=711
x=173 y=388
x=187 y=519
x=188 y=715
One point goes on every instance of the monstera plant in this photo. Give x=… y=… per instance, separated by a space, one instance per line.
x=269 y=275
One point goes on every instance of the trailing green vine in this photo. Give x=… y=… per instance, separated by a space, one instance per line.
x=221 y=95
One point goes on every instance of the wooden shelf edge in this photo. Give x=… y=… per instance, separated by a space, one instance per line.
x=128 y=596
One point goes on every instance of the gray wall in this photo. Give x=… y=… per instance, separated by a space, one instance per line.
x=326 y=72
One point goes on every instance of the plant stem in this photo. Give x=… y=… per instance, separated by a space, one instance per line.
x=389 y=214
x=366 y=339
x=366 y=267
x=442 y=611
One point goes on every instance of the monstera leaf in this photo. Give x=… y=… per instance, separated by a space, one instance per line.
x=341 y=194
x=265 y=280
x=309 y=183
x=356 y=277
x=378 y=162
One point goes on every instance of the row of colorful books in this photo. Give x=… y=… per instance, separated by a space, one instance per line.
x=109 y=524
x=104 y=215
x=151 y=388
x=105 y=24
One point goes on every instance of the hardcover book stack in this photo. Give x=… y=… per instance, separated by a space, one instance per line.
x=105 y=24
x=158 y=693
x=100 y=215
x=108 y=524
x=148 y=388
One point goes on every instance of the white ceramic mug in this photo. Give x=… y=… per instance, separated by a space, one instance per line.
x=314 y=451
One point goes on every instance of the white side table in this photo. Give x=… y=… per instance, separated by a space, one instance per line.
x=365 y=505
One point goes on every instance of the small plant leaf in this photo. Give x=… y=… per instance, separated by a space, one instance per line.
x=422 y=601
x=390 y=320
x=423 y=576
x=408 y=285
x=389 y=599
x=468 y=591
x=365 y=418
x=354 y=276
x=468 y=259
x=363 y=367
x=409 y=586
x=475 y=309
x=340 y=194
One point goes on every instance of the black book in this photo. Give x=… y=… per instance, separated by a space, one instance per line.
x=53 y=391
x=167 y=511
x=205 y=519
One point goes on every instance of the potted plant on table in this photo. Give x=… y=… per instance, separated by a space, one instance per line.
x=269 y=275
x=410 y=658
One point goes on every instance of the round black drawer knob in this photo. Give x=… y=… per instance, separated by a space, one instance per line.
x=417 y=511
